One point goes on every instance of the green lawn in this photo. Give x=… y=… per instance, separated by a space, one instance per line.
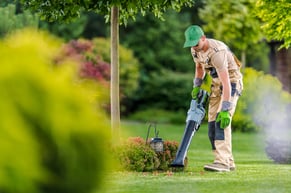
x=255 y=173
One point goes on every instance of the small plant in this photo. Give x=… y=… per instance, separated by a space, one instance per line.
x=135 y=155
x=168 y=155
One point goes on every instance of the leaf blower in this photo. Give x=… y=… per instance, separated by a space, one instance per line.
x=195 y=115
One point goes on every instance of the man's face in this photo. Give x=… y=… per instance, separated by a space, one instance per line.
x=199 y=45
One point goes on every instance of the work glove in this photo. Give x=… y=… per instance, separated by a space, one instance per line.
x=224 y=118
x=195 y=92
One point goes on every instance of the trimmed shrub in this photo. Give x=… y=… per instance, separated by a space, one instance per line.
x=168 y=155
x=135 y=155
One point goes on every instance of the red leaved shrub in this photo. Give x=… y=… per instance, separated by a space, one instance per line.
x=91 y=65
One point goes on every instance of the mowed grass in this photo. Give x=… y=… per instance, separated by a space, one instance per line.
x=255 y=173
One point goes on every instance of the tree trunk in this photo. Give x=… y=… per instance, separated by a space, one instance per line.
x=114 y=84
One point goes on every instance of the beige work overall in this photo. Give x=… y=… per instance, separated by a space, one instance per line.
x=218 y=57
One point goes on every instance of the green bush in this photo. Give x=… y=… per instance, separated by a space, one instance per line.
x=263 y=102
x=10 y=21
x=50 y=140
x=135 y=155
x=163 y=90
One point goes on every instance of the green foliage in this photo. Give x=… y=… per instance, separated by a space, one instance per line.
x=159 y=116
x=67 y=31
x=276 y=19
x=165 y=80
x=262 y=104
x=10 y=21
x=258 y=57
x=4 y=3
x=232 y=22
x=166 y=90
x=68 y=10
x=48 y=140
x=235 y=23
x=135 y=155
x=161 y=44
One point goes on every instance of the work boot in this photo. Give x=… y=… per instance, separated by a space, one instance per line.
x=231 y=164
x=216 y=167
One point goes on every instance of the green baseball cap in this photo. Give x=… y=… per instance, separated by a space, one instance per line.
x=193 y=35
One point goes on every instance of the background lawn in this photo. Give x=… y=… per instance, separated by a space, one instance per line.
x=254 y=173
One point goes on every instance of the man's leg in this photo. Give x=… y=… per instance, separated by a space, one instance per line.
x=214 y=135
x=220 y=138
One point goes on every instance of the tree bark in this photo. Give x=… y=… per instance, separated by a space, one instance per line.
x=114 y=83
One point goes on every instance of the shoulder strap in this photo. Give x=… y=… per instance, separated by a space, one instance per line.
x=238 y=63
x=217 y=49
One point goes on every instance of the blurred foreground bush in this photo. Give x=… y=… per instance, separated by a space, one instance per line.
x=135 y=155
x=53 y=135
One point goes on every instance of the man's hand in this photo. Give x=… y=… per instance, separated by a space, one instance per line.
x=195 y=92
x=224 y=118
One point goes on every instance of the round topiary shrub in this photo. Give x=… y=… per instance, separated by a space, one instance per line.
x=135 y=155
x=168 y=155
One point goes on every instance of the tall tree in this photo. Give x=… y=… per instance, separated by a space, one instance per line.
x=67 y=10
x=232 y=21
x=10 y=20
x=276 y=17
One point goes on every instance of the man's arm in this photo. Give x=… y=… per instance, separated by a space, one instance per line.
x=199 y=71
x=224 y=116
x=197 y=81
x=224 y=78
